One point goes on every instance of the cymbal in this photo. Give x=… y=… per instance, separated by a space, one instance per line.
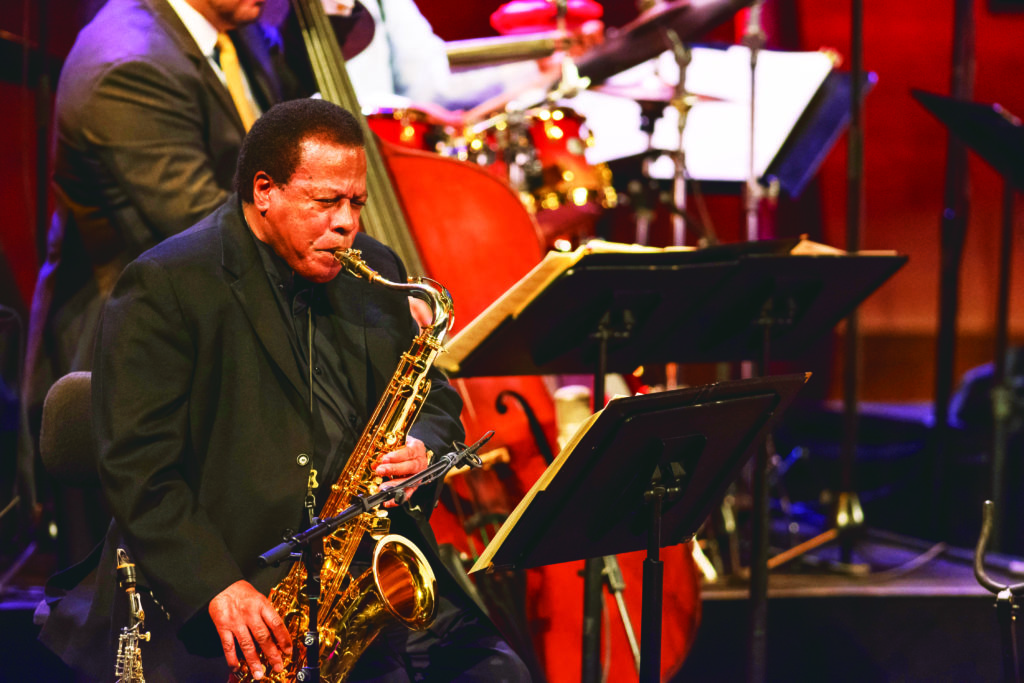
x=644 y=37
x=650 y=90
x=354 y=32
x=528 y=16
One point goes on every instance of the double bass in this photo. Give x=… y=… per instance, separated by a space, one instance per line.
x=458 y=223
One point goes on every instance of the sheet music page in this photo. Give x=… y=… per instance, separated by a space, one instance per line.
x=717 y=135
x=510 y=304
x=487 y=556
x=519 y=296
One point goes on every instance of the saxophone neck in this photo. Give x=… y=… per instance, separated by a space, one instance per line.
x=430 y=291
x=440 y=302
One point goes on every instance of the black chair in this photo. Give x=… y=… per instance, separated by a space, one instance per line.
x=68 y=450
x=67 y=444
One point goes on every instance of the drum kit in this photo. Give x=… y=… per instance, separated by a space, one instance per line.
x=534 y=139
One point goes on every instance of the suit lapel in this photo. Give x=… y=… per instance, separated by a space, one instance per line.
x=252 y=289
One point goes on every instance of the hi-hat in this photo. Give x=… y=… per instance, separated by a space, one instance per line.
x=650 y=90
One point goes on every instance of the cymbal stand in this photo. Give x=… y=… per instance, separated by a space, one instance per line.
x=643 y=211
x=754 y=39
x=571 y=83
x=682 y=101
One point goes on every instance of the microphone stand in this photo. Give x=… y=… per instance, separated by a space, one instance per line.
x=308 y=545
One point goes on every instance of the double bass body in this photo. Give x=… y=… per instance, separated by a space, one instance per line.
x=463 y=226
x=474 y=234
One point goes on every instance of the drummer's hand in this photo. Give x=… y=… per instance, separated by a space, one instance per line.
x=341 y=8
x=577 y=42
x=242 y=614
x=446 y=117
x=401 y=464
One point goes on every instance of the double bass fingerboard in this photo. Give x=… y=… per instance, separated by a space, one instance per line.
x=382 y=217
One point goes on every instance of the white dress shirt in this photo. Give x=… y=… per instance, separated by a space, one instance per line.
x=405 y=58
x=205 y=35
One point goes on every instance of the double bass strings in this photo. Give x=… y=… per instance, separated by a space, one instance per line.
x=382 y=217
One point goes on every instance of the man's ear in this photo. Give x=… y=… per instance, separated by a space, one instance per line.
x=262 y=184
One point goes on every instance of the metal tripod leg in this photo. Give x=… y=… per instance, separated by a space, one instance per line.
x=616 y=584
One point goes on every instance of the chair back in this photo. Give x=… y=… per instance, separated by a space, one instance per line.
x=67 y=443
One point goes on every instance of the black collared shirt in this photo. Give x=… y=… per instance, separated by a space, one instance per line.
x=336 y=418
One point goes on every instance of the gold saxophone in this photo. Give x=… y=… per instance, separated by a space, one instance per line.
x=128 y=665
x=399 y=584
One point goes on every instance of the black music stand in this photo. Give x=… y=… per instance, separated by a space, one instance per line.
x=612 y=312
x=997 y=137
x=709 y=305
x=646 y=474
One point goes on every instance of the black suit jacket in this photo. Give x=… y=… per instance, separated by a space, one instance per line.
x=146 y=140
x=203 y=417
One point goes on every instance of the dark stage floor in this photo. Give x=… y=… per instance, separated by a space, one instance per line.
x=918 y=616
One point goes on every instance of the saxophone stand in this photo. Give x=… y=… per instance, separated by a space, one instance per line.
x=1006 y=606
x=308 y=545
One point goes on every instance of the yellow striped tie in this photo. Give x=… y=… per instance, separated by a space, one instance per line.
x=228 y=59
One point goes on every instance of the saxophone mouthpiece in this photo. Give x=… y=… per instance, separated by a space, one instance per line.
x=125 y=570
x=352 y=261
x=346 y=256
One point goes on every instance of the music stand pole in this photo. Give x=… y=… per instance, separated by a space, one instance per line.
x=761 y=528
x=653 y=588
x=754 y=39
x=593 y=578
x=1002 y=392
x=848 y=515
x=43 y=99
x=953 y=233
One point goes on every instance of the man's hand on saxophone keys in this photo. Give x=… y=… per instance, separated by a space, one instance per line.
x=242 y=614
x=400 y=464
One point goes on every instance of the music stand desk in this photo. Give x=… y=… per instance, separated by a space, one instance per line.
x=724 y=303
x=988 y=129
x=601 y=496
x=612 y=311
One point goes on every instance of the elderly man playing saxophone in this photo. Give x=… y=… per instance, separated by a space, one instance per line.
x=235 y=369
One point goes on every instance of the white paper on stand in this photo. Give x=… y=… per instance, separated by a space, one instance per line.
x=717 y=135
